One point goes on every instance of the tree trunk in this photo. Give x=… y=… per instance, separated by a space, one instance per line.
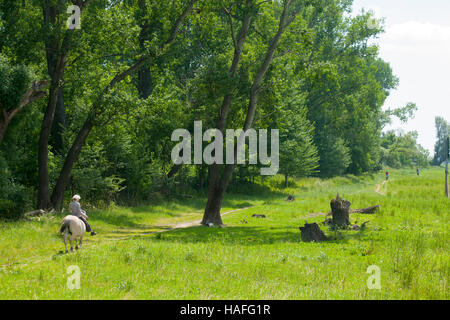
x=44 y=190
x=175 y=168
x=71 y=158
x=219 y=182
x=341 y=212
x=145 y=81
x=202 y=175
x=56 y=63
x=59 y=124
x=213 y=206
x=217 y=187
x=75 y=150
x=3 y=124
x=285 y=180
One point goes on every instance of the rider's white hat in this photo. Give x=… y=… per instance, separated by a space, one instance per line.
x=76 y=197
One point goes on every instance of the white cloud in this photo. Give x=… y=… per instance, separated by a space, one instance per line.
x=422 y=36
x=419 y=53
x=416 y=43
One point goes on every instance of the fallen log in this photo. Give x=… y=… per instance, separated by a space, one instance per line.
x=34 y=213
x=369 y=210
x=362 y=227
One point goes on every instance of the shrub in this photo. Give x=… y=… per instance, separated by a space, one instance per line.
x=9 y=209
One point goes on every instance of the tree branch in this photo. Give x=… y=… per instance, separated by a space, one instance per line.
x=230 y=19
x=176 y=28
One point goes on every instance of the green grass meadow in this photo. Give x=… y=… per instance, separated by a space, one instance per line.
x=137 y=254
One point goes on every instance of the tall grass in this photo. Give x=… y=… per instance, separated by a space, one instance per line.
x=260 y=259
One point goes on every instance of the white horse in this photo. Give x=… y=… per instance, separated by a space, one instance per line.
x=76 y=228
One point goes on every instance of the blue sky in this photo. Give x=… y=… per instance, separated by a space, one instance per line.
x=417 y=45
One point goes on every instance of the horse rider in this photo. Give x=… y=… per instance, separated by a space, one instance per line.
x=75 y=210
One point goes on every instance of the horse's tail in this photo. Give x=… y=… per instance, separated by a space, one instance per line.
x=65 y=225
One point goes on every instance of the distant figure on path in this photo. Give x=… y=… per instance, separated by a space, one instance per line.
x=75 y=210
x=418 y=172
x=387 y=175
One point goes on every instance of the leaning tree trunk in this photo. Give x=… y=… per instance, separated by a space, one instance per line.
x=340 y=210
x=71 y=158
x=75 y=150
x=4 y=123
x=219 y=182
x=59 y=124
x=57 y=52
x=144 y=79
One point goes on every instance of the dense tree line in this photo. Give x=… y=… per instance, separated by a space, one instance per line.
x=136 y=70
x=402 y=150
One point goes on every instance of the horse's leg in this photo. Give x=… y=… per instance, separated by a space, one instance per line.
x=71 y=245
x=65 y=240
x=81 y=241
x=76 y=243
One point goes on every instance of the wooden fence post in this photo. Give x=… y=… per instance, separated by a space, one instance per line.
x=447 y=149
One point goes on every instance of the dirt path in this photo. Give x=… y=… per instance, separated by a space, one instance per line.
x=180 y=225
x=168 y=227
x=197 y=222
x=379 y=187
x=163 y=228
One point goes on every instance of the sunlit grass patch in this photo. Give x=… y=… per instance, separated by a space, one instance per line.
x=250 y=258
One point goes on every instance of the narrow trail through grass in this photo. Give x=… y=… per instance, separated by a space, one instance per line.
x=180 y=225
x=143 y=233
x=158 y=251
x=127 y=233
x=381 y=186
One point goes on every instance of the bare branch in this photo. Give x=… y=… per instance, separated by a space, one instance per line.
x=177 y=26
x=230 y=19
x=282 y=54
x=262 y=2
x=32 y=94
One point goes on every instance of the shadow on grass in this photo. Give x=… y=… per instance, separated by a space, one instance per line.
x=236 y=235
x=193 y=204
x=140 y=230
x=116 y=219
x=178 y=207
x=233 y=235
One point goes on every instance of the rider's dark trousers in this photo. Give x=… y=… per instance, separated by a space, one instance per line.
x=88 y=227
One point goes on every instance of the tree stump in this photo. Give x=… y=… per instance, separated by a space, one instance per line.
x=340 y=210
x=311 y=232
